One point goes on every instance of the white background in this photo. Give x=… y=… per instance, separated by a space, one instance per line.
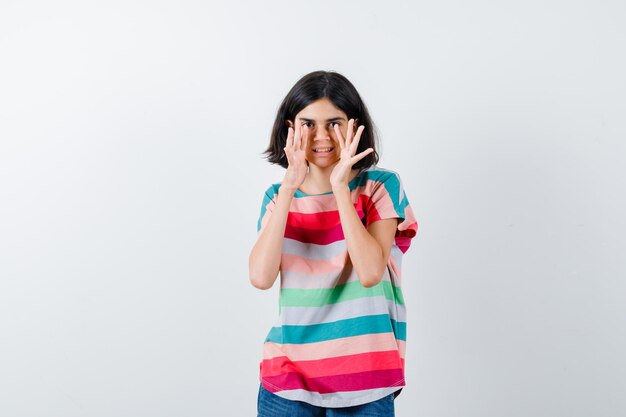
x=131 y=180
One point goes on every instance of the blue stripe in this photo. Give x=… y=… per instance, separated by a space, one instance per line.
x=358 y=326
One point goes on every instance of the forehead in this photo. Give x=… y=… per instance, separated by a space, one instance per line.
x=322 y=110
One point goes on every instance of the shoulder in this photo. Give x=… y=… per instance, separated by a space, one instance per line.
x=272 y=190
x=380 y=175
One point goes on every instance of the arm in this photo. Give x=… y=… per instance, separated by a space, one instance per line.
x=369 y=248
x=264 y=260
x=265 y=256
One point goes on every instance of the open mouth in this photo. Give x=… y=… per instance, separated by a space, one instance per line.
x=323 y=150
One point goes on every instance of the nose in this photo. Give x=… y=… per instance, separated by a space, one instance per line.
x=322 y=133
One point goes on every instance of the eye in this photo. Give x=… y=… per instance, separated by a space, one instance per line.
x=333 y=123
x=307 y=124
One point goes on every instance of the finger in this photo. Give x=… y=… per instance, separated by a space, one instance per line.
x=298 y=132
x=357 y=158
x=350 y=130
x=305 y=142
x=357 y=138
x=289 y=136
x=339 y=137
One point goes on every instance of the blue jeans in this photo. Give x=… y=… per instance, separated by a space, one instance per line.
x=271 y=405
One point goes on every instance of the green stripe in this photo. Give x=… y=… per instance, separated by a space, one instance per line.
x=318 y=297
x=336 y=330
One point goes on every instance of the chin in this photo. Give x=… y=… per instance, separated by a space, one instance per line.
x=326 y=163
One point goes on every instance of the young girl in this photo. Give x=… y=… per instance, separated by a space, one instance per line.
x=335 y=228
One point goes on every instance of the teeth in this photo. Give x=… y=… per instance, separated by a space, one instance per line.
x=322 y=149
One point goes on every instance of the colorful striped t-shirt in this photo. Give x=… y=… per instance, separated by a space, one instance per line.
x=335 y=342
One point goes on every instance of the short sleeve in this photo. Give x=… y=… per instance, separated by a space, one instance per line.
x=388 y=200
x=267 y=206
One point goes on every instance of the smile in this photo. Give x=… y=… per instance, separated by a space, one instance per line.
x=323 y=150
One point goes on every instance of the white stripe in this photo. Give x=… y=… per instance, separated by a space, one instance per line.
x=303 y=316
x=338 y=399
x=312 y=250
x=304 y=281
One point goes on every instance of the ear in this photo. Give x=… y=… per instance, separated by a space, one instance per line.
x=288 y=123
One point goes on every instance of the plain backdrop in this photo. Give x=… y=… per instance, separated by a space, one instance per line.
x=131 y=180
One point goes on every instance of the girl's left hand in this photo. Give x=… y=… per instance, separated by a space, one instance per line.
x=340 y=175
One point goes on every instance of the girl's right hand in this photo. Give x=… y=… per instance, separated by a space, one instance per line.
x=296 y=156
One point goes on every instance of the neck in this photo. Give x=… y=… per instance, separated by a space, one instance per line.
x=318 y=179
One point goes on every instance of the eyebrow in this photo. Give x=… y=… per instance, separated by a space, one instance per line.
x=328 y=120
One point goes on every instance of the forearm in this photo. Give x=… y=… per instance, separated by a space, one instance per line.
x=365 y=252
x=265 y=257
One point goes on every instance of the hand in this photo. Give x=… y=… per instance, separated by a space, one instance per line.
x=295 y=152
x=340 y=175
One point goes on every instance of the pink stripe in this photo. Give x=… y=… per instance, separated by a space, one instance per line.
x=341 y=365
x=403 y=243
x=328 y=201
x=319 y=237
x=327 y=384
x=402 y=349
x=295 y=263
x=328 y=280
x=384 y=208
x=336 y=347
x=409 y=226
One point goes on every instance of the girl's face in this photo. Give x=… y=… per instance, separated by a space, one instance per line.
x=317 y=121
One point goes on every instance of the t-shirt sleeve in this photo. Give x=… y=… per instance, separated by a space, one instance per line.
x=388 y=200
x=267 y=206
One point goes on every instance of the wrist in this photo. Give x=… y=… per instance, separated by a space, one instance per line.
x=285 y=189
x=340 y=188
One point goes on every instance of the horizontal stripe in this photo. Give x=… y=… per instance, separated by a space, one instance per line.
x=336 y=347
x=377 y=194
x=383 y=206
x=367 y=182
x=337 y=343
x=351 y=184
x=328 y=280
x=312 y=204
x=295 y=263
x=326 y=384
x=319 y=237
x=333 y=278
x=313 y=251
x=350 y=291
x=319 y=220
x=346 y=310
x=343 y=328
x=340 y=365
x=338 y=399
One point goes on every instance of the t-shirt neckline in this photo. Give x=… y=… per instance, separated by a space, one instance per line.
x=351 y=185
